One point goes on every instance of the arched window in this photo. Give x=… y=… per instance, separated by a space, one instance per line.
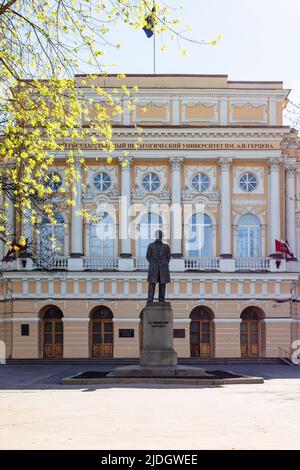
x=52 y=236
x=199 y=241
x=148 y=225
x=249 y=236
x=103 y=236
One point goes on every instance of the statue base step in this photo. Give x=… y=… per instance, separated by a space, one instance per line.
x=158 y=358
x=158 y=371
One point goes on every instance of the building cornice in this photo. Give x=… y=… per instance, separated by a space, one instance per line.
x=203 y=93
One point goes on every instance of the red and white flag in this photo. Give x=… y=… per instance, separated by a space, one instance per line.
x=283 y=247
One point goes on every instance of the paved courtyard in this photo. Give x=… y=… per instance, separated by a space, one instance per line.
x=36 y=412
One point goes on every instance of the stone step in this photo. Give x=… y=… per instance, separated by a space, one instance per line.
x=132 y=361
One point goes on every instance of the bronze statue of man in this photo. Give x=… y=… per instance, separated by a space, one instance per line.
x=158 y=255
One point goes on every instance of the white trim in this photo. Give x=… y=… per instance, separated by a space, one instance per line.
x=182 y=320
x=70 y=319
x=227 y=320
x=125 y=320
x=20 y=320
x=278 y=320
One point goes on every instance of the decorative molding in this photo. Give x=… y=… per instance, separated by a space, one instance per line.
x=248 y=106
x=150 y=105
x=20 y=320
x=176 y=162
x=274 y=164
x=162 y=193
x=227 y=320
x=239 y=171
x=123 y=160
x=290 y=171
x=198 y=105
x=249 y=202
x=90 y=193
x=225 y=163
x=74 y=319
x=190 y=171
x=125 y=320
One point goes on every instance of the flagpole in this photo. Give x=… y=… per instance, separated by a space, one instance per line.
x=154 y=48
x=154 y=58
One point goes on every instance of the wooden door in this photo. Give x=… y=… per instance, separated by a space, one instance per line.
x=201 y=338
x=102 y=338
x=53 y=338
x=250 y=337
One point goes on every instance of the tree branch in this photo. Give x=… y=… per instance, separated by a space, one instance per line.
x=7 y=6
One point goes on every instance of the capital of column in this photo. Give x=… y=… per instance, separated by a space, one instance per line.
x=225 y=163
x=274 y=164
x=77 y=165
x=176 y=162
x=125 y=162
x=290 y=171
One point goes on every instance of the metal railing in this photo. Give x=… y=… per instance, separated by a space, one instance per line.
x=286 y=355
x=252 y=264
x=202 y=264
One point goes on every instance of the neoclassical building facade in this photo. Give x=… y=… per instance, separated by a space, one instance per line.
x=219 y=174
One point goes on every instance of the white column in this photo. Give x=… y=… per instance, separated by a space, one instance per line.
x=76 y=221
x=290 y=175
x=10 y=224
x=223 y=110
x=274 y=203
x=2 y=251
x=225 y=219
x=27 y=228
x=175 y=110
x=176 y=209
x=124 y=207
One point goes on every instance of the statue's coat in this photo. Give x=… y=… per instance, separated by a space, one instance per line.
x=158 y=255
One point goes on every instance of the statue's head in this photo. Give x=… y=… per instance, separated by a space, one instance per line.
x=158 y=235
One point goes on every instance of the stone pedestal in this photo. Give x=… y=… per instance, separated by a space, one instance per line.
x=158 y=335
x=158 y=358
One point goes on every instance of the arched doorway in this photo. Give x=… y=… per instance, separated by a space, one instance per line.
x=101 y=332
x=252 y=332
x=53 y=333
x=202 y=332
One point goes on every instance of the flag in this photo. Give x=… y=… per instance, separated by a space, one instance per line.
x=15 y=248
x=150 y=24
x=283 y=247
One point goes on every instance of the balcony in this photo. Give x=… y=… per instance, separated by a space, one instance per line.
x=109 y=263
x=252 y=264
x=202 y=264
x=100 y=263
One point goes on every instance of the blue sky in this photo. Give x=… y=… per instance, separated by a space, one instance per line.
x=260 y=42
